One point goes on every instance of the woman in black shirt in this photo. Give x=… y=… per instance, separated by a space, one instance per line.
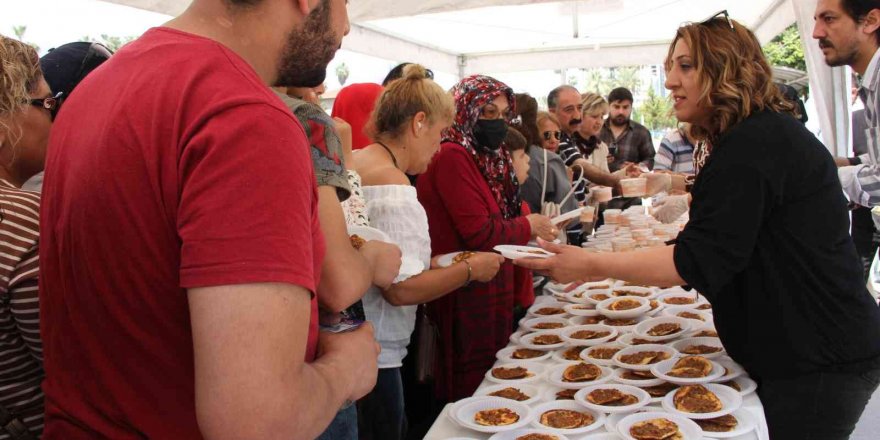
x=767 y=242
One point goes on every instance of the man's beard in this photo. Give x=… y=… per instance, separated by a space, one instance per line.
x=843 y=58
x=620 y=120
x=308 y=51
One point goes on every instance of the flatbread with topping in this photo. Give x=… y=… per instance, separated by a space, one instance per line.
x=511 y=373
x=679 y=300
x=665 y=329
x=655 y=429
x=546 y=340
x=625 y=304
x=526 y=353
x=718 y=424
x=566 y=419
x=589 y=334
x=660 y=390
x=691 y=367
x=512 y=394
x=496 y=417
x=581 y=372
x=701 y=349
x=537 y=437
x=637 y=375
x=603 y=353
x=566 y=394
x=619 y=322
x=548 y=325
x=644 y=357
x=696 y=399
x=549 y=311
x=573 y=353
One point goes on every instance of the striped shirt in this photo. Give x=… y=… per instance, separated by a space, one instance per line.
x=569 y=153
x=675 y=154
x=21 y=353
x=861 y=183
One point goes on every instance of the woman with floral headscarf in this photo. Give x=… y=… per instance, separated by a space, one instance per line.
x=472 y=200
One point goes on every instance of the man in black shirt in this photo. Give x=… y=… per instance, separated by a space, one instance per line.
x=627 y=140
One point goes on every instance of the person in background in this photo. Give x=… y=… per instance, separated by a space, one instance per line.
x=472 y=200
x=199 y=230
x=543 y=161
x=549 y=131
x=407 y=123
x=676 y=152
x=64 y=67
x=767 y=242
x=627 y=140
x=354 y=104
x=586 y=139
x=397 y=73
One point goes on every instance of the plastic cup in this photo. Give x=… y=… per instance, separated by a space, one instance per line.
x=623 y=244
x=612 y=216
x=601 y=194
x=637 y=187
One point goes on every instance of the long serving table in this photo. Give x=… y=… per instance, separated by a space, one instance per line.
x=445 y=428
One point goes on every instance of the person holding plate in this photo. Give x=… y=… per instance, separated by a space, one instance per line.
x=767 y=243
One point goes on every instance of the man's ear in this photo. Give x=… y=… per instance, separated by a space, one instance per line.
x=305 y=6
x=872 y=21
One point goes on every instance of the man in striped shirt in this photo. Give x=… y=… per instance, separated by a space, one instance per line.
x=849 y=34
x=676 y=152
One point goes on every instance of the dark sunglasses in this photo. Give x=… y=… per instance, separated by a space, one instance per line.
x=51 y=103
x=722 y=14
x=552 y=134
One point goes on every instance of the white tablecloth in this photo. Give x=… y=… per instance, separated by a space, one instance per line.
x=444 y=428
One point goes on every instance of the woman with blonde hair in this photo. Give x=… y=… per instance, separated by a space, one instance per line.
x=767 y=243
x=406 y=125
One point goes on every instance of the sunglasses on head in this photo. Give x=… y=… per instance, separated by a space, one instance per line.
x=552 y=134
x=722 y=14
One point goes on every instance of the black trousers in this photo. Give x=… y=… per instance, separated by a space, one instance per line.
x=381 y=413
x=818 y=406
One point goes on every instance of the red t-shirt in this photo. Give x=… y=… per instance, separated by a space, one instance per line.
x=172 y=166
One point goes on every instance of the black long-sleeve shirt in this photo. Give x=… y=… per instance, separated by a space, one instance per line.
x=768 y=245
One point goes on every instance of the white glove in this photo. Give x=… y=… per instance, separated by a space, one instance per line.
x=671 y=208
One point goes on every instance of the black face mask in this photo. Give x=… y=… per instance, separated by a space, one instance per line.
x=490 y=133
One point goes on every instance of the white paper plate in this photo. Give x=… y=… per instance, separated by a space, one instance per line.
x=746 y=424
x=445 y=260
x=454 y=407
x=641 y=348
x=533 y=391
x=642 y=395
x=627 y=339
x=704 y=318
x=536 y=369
x=616 y=376
x=554 y=377
x=688 y=429
x=368 y=233
x=690 y=295
x=664 y=367
x=640 y=291
x=567 y=216
x=746 y=384
x=576 y=310
x=598 y=417
x=530 y=323
x=585 y=355
x=505 y=355
x=549 y=394
x=643 y=327
x=547 y=304
x=515 y=434
x=514 y=337
x=604 y=307
x=566 y=334
x=730 y=402
x=613 y=420
x=557 y=355
x=585 y=320
x=526 y=340
x=602 y=435
x=514 y=252
x=734 y=370
x=465 y=414
x=687 y=342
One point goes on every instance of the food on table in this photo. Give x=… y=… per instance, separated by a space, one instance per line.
x=625 y=304
x=549 y=311
x=548 y=325
x=589 y=334
x=718 y=424
x=640 y=341
x=619 y=322
x=600 y=287
x=732 y=384
x=611 y=397
x=637 y=375
x=573 y=353
x=356 y=241
x=701 y=349
x=599 y=296
x=691 y=367
x=604 y=353
x=624 y=292
x=592 y=320
x=665 y=329
x=461 y=256
x=691 y=315
x=706 y=306
x=526 y=353
x=655 y=429
x=504 y=373
x=566 y=419
x=546 y=340
x=707 y=334
x=581 y=372
x=584 y=307
x=660 y=390
x=537 y=437
x=496 y=417
x=696 y=399
x=566 y=394
x=679 y=300
x=654 y=304
x=579 y=295
x=511 y=393
x=644 y=357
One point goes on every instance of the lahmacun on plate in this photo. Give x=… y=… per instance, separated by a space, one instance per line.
x=642 y=357
x=567 y=417
x=515 y=372
x=702 y=401
x=613 y=398
x=493 y=414
x=658 y=425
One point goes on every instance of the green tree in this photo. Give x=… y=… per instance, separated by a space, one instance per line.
x=786 y=50
x=19 y=32
x=112 y=42
x=656 y=111
x=597 y=81
x=626 y=77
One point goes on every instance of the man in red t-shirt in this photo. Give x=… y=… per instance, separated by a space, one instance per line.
x=180 y=242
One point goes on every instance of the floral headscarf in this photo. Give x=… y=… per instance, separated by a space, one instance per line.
x=471 y=95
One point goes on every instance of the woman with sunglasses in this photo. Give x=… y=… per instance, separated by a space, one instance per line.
x=472 y=200
x=767 y=243
x=26 y=105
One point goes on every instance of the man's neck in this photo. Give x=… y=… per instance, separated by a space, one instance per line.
x=618 y=129
x=860 y=66
x=258 y=43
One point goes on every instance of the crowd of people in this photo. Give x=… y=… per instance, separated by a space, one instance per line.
x=191 y=263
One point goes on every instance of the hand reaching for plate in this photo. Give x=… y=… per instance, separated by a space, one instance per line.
x=570 y=263
x=542 y=227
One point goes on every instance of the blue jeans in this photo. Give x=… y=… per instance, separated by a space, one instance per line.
x=381 y=413
x=343 y=427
